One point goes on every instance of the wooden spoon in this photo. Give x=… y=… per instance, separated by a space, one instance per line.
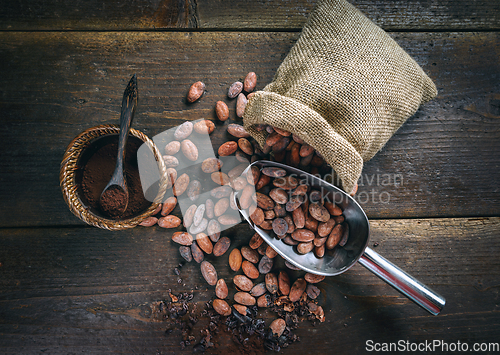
x=114 y=197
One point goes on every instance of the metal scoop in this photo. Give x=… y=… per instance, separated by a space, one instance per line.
x=341 y=259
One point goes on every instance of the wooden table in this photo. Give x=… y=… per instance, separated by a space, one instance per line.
x=66 y=287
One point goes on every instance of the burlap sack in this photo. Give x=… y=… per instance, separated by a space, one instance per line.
x=344 y=88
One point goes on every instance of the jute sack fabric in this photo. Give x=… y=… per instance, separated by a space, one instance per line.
x=345 y=88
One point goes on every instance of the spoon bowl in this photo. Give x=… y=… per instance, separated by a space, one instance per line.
x=342 y=258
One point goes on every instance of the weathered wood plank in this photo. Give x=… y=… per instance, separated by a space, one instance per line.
x=238 y=14
x=55 y=85
x=63 y=289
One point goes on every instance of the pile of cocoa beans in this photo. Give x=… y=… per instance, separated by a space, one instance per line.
x=275 y=202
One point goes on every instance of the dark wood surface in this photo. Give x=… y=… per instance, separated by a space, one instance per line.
x=67 y=288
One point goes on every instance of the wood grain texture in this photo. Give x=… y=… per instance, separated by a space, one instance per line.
x=65 y=290
x=445 y=159
x=288 y=15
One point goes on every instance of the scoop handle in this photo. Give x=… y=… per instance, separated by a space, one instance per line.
x=403 y=282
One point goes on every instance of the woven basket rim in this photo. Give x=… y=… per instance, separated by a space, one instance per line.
x=69 y=187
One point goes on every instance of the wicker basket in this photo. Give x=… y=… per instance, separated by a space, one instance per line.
x=69 y=186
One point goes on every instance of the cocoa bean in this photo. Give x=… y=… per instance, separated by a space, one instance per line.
x=237 y=170
x=213 y=230
x=240 y=309
x=245 y=199
x=256 y=241
x=253 y=175
x=284 y=283
x=282 y=132
x=170 y=221
x=172 y=148
x=199 y=228
x=266 y=225
x=239 y=183
x=319 y=251
x=297 y=289
x=189 y=150
x=319 y=241
x=148 y=222
x=250 y=254
x=286 y=182
x=204 y=243
x=278 y=327
x=222 y=111
x=303 y=235
x=279 y=195
x=237 y=131
x=319 y=212
x=221 y=307
x=220 y=178
x=280 y=210
x=211 y=165
x=241 y=104
x=280 y=146
x=306 y=150
x=189 y=215
x=305 y=247
x=198 y=214
x=263 y=181
x=185 y=253
x=258 y=290
x=204 y=127
x=227 y=148
x=182 y=238
x=271 y=253
x=249 y=269
x=221 y=290
x=335 y=236
x=271 y=283
x=221 y=191
x=221 y=246
x=221 y=207
x=241 y=157
x=280 y=226
x=244 y=298
x=235 y=259
x=180 y=185
x=235 y=89
x=333 y=209
x=183 y=131
x=243 y=283
x=228 y=220
x=298 y=218
x=265 y=264
x=193 y=190
x=311 y=224
x=289 y=241
x=250 y=82
x=197 y=253
x=262 y=248
x=245 y=146
x=345 y=235
x=264 y=201
x=274 y=172
x=313 y=278
x=264 y=301
x=291 y=266
x=273 y=138
x=209 y=208
x=269 y=214
x=170 y=161
x=324 y=228
x=300 y=190
x=195 y=91
x=168 y=206
x=294 y=203
x=312 y=292
x=208 y=272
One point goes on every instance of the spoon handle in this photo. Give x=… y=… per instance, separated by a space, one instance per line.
x=403 y=282
x=129 y=103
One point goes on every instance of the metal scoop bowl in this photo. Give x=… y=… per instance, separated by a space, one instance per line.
x=341 y=259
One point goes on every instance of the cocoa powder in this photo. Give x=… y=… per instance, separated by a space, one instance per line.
x=96 y=168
